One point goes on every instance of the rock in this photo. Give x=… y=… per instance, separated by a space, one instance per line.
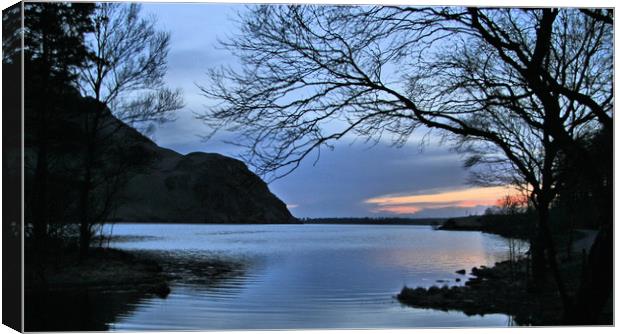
x=162 y=290
x=491 y=293
x=461 y=272
x=458 y=280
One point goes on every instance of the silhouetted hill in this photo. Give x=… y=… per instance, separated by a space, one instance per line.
x=167 y=187
x=195 y=188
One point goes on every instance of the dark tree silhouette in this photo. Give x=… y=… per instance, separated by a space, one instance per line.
x=12 y=35
x=128 y=68
x=586 y=195
x=515 y=87
x=53 y=50
x=126 y=75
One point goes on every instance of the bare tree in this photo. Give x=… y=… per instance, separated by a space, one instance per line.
x=129 y=64
x=126 y=77
x=513 y=86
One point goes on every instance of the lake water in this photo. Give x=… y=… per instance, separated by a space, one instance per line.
x=302 y=276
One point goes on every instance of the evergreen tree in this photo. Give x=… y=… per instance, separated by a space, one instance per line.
x=53 y=50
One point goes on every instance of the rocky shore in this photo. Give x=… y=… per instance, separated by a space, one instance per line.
x=491 y=290
x=502 y=288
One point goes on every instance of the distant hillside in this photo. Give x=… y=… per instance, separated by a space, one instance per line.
x=167 y=187
x=507 y=225
x=374 y=221
x=195 y=188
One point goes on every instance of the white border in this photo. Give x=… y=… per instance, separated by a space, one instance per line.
x=513 y=3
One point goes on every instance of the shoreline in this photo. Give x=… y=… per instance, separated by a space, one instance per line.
x=505 y=288
x=72 y=295
x=89 y=295
x=106 y=269
x=284 y=224
x=498 y=289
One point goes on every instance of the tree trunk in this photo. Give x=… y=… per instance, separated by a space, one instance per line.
x=537 y=251
x=40 y=214
x=84 y=209
x=91 y=128
x=40 y=200
x=84 y=240
x=543 y=222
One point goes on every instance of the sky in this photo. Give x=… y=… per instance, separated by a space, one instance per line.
x=355 y=179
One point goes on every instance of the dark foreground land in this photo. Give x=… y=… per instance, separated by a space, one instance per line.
x=504 y=288
x=66 y=294
x=104 y=269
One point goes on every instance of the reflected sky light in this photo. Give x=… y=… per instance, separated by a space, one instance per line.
x=306 y=276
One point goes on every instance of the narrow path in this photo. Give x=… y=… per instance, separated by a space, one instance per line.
x=586 y=242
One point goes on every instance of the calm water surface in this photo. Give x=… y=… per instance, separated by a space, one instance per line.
x=303 y=276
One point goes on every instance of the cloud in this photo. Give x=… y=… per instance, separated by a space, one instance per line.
x=338 y=184
x=407 y=204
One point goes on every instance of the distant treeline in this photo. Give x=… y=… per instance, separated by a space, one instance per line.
x=373 y=221
x=517 y=225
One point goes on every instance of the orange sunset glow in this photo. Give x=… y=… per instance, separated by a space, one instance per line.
x=465 y=198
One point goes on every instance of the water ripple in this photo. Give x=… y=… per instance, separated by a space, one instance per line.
x=302 y=276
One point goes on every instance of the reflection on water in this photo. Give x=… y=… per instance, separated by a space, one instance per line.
x=292 y=276
x=77 y=310
x=202 y=271
x=304 y=276
x=94 y=310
